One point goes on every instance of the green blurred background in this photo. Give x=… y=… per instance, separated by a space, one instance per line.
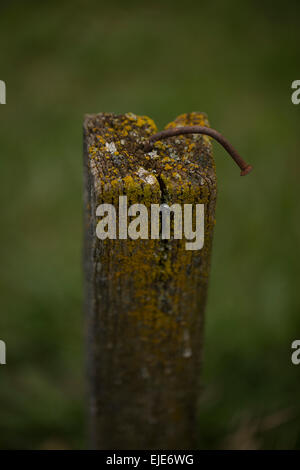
x=234 y=60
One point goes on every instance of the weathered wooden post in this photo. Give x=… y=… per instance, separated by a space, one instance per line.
x=145 y=298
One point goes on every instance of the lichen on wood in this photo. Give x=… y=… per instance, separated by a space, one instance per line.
x=145 y=299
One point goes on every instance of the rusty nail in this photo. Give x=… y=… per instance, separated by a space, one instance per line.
x=201 y=130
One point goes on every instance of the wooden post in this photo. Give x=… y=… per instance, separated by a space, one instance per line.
x=145 y=299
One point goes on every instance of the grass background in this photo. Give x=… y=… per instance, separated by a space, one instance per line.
x=233 y=60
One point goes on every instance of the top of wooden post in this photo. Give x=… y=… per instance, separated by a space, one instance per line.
x=117 y=159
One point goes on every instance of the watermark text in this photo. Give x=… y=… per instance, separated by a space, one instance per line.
x=2 y=92
x=2 y=352
x=296 y=94
x=176 y=221
x=295 y=358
